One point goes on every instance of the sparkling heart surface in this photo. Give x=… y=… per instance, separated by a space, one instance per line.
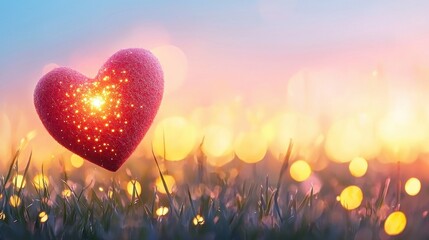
x=105 y=118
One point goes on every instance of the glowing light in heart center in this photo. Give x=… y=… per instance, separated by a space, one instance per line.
x=97 y=107
x=97 y=102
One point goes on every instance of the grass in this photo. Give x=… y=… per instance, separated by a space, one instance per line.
x=212 y=206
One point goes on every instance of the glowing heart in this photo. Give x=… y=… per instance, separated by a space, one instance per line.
x=105 y=118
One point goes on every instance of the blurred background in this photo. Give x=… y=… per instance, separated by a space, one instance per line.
x=344 y=79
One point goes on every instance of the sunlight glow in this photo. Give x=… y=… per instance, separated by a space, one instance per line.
x=19 y=181
x=174 y=65
x=413 y=186
x=43 y=217
x=169 y=180
x=161 y=211
x=134 y=188
x=177 y=136
x=40 y=181
x=395 y=223
x=251 y=147
x=217 y=141
x=358 y=166
x=14 y=201
x=97 y=102
x=300 y=170
x=351 y=197
x=198 y=220
x=66 y=193
x=76 y=161
x=350 y=137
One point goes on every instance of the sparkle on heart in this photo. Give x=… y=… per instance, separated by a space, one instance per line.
x=102 y=119
x=96 y=107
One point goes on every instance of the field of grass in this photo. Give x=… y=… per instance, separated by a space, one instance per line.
x=208 y=205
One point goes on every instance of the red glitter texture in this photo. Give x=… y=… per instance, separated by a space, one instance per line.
x=105 y=118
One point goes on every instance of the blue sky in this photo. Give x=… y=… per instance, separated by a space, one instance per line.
x=268 y=34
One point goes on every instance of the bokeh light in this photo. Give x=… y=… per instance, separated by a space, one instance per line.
x=402 y=133
x=220 y=161
x=350 y=137
x=40 y=181
x=358 y=167
x=300 y=170
x=250 y=147
x=174 y=65
x=19 y=181
x=2 y=216
x=218 y=141
x=14 y=200
x=161 y=211
x=413 y=186
x=76 y=161
x=395 y=223
x=169 y=180
x=110 y=194
x=134 y=188
x=43 y=216
x=176 y=136
x=351 y=197
x=301 y=128
x=66 y=193
x=198 y=220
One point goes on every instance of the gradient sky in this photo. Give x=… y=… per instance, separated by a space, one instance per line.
x=246 y=46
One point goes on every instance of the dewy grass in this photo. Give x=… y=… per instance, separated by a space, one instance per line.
x=224 y=208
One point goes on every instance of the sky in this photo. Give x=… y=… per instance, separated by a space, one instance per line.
x=253 y=39
x=256 y=52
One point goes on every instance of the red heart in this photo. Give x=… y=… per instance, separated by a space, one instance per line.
x=105 y=118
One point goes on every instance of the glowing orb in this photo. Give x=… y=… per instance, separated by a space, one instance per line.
x=220 y=161
x=413 y=186
x=402 y=133
x=351 y=197
x=351 y=137
x=217 y=141
x=395 y=223
x=97 y=102
x=19 y=181
x=278 y=131
x=110 y=194
x=300 y=170
x=2 y=216
x=134 y=188
x=250 y=147
x=14 y=201
x=198 y=220
x=174 y=136
x=162 y=211
x=174 y=64
x=40 y=181
x=76 y=161
x=43 y=217
x=358 y=167
x=66 y=193
x=169 y=180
